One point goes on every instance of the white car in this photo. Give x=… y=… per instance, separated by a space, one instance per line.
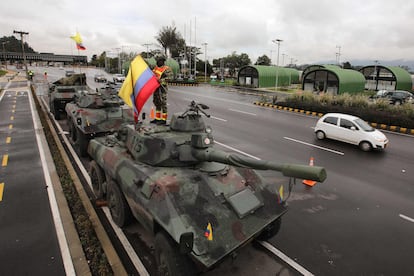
x=350 y=129
x=118 y=78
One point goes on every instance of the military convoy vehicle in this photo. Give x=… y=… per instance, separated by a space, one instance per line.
x=95 y=113
x=62 y=92
x=201 y=204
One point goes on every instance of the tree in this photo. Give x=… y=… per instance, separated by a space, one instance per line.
x=263 y=60
x=232 y=62
x=170 y=39
x=347 y=65
x=12 y=44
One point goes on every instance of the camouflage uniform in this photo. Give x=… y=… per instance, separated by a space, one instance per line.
x=163 y=73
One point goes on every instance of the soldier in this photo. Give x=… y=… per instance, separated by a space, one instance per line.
x=163 y=73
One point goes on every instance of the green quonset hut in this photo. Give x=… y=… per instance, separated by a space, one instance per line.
x=379 y=77
x=259 y=76
x=333 y=80
x=319 y=66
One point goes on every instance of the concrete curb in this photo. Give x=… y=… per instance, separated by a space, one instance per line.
x=398 y=129
x=110 y=252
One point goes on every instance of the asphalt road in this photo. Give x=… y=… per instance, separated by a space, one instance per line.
x=358 y=222
x=28 y=241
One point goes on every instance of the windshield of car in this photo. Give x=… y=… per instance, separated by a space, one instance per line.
x=364 y=125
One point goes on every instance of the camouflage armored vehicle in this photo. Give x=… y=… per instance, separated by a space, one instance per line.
x=63 y=90
x=92 y=114
x=200 y=203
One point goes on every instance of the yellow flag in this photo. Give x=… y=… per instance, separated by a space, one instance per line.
x=281 y=192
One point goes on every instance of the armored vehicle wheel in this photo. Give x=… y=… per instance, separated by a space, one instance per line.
x=169 y=259
x=120 y=212
x=81 y=143
x=72 y=131
x=271 y=230
x=55 y=111
x=97 y=179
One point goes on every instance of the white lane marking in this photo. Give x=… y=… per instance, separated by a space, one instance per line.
x=241 y=111
x=285 y=258
x=406 y=218
x=315 y=146
x=63 y=244
x=216 y=118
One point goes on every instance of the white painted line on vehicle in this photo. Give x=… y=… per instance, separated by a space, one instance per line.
x=315 y=146
x=241 y=111
x=285 y=258
x=406 y=218
x=216 y=118
x=63 y=244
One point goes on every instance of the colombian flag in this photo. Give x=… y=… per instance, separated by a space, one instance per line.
x=78 y=39
x=209 y=232
x=138 y=85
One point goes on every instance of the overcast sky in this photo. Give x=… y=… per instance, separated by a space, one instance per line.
x=311 y=30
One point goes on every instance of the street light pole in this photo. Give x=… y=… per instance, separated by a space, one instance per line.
x=24 y=55
x=205 y=61
x=277 y=41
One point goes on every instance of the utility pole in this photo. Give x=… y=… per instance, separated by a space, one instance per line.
x=277 y=41
x=24 y=55
x=205 y=61
x=147 y=45
x=4 y=53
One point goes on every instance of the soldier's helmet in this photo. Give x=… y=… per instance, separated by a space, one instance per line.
x=160 y=60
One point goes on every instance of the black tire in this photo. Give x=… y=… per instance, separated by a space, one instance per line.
x=72 y=131
x=55 y=112
x=97 y=179
x=320 y=135
x=397 y=102
x=81 y=143
x=271 y=230
x=169 y=259
x=118 y=206
x=365 y=146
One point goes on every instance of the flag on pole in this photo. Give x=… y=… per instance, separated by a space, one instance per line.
x=209 y=232
x=138 y=85
x=78 y=39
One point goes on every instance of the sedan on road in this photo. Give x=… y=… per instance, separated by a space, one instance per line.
x=350 y=129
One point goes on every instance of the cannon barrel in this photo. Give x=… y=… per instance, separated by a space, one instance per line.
x=292 y=170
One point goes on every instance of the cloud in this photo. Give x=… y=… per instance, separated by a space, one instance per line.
x=310 y=30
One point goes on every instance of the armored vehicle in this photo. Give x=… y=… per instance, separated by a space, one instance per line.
x=62 y=91
x=200 y=203
x=92 y=114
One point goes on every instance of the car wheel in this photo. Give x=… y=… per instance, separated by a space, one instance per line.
x=397 y=102
x=365 y=146
x=169 y=259
x=97 y=179
x=271 y=230
x=320 y=135
x=118 y=206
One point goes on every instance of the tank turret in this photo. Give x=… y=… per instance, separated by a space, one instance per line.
x=188 y=142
